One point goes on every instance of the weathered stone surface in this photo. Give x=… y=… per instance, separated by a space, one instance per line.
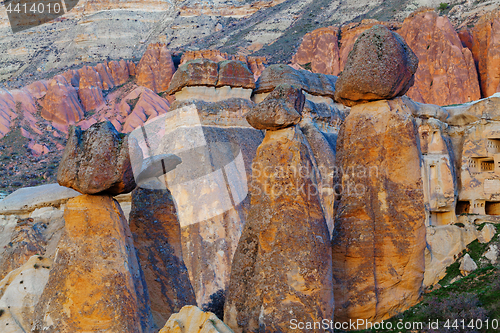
x=193 y=320
x=20 y=291
x=96 y=161
x=281 y=269
x=235 y=74
x=119 y=71
x=486 y=51
x=7 y=111
x=446 y=74
x=157 y=238
x=467 y=265
x=320 y=49
x=487 y=233
x=312 y=83
x=91 y=87
x=379 y=235
x=198 y=72
x=96 y=283
x=156 y=68
x=29 y=198
x=61 y=104
x=488 y=108
x=444 y=244
x=380 y=66
x=281 y=109
x=492 y=254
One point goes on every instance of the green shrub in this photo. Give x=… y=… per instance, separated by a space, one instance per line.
x=443 y=6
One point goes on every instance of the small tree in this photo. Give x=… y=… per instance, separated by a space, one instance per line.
x=443 y=6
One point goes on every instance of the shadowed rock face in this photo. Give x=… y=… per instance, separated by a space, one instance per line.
x=281 y=269
x=96 y=283
x=380 y=66
x=446 y=73
x=157 y=238
x=96 y=161
x=379 y=236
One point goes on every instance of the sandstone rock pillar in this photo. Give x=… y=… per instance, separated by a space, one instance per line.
x=281 y=268
x=96 y=283
x=379 y=236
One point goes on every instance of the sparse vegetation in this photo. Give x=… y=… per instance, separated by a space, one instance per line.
x=443 y=6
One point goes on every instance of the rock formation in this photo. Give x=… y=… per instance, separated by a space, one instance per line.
x=379 y=235
x=380 y=66
x=446 y=73
x=90 y=88
x=157 y=238
x=193 y=320
x=61 y=104
x=96 y=161
x=320 y=49
x=96 y=283
x=486 y=51
x=273 y=278
x=281 y=109
x=156 y=68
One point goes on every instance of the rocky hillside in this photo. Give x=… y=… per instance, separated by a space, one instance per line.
x=98 y=31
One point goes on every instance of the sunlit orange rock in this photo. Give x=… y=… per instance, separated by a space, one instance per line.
x=90 y=90
x=446 y=73
x=156 y=68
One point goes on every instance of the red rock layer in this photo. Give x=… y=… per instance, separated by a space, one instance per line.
x=486 y=51
x=320 y=49
x=156 y=68
x=446 y=73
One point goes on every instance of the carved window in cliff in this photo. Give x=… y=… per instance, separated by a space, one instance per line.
x=493 y=146
x=492 y=208
x=481 y=165
x=473 y=164
x=463 y=207
x=487 y=166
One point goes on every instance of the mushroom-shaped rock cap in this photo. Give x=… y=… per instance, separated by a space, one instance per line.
x=281 y=109
x=312 y=83
x=380 y=66
x=96 y=161
x=235 y=73
x=198 y=72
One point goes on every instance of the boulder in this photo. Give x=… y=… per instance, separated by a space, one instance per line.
x=320 y=50
x=157 y=238
x=487 y=233
x=96 y=283
x=198 y=72
x=446 y=74
x=281 y=269
x=467 y=265
x=492 y=254
x=281 y=109
x=96 y=161
x=486 y=51
x=192 y=319
x=90 y=89
x=20 y=291
x=379 y=235
x=235 y=74
x=156 y=68
x=312 y=83
x=380 y=66
x=61 y=104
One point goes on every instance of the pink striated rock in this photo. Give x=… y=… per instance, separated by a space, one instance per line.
x=156 y=68
x=38 y=149
x=132 y=68
x=73 y=77
x=61 y=104
x=25 y=99
x=91 y=86
x=119 y=71
x=148 y=106
x=106 y=77
x=38 y=89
